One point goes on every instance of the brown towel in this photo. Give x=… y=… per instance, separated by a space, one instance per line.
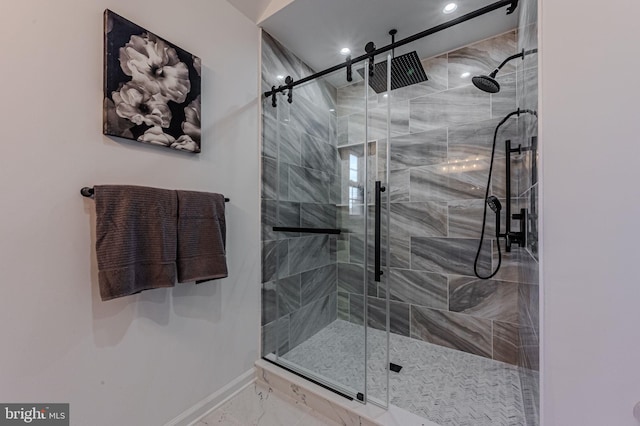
x=135 y=239
x=201 y=236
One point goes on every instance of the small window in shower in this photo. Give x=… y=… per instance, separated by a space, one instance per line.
x=356 y=193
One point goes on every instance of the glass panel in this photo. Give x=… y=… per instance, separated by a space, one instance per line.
x=377 y=294
x=314 y=178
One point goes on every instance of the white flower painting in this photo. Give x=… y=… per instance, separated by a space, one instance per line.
x=152 y=88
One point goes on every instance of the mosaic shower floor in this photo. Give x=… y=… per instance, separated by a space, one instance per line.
x=445 y=386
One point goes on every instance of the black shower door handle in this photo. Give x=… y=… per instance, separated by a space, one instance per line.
x=378 y=270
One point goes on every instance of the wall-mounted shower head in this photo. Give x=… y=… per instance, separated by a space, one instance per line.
x=486 y=83
x=494 y=203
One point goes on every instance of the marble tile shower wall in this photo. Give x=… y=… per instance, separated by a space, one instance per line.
x=441 y=135
x=299 y=189
x=529 y=306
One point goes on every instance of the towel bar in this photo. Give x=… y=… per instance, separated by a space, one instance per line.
x=88 y=192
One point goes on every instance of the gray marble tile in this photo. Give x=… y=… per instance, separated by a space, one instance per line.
x=447 y=182
x=343 y=130
x=489 y=299
x=269 y=136
x=400 y=252
x=283 y=181
x=481 y=58
x=306 y=253
x=278 y=60
x=418 y=149
x=456 y=106
x=436 y=69
x=318 y=215
x=422 y=219
x=311 y=119
x=399 y=316
x=473 y=141
x=269 y=173
x=318 y=283
x=308 y=185
x=269 y=296
x=528 y=89
x=312 y=318
x=529 y=306
x=343 y=248
x=282 y=213
x=399 y=183
x=356 y=248
x=275 y=337
x=351 y=278
x=518 y=266
x=275 y=259
x=399 y=120
x=333 y=249
x=351 y=99
x=318 y=155
x=465 y=219
x=529 y=357
x=343 y=306
x=456 y=331
x=504 y=102
x=449 y=255
x=288 y=290
x=505 y=342
x=356 y=309
x=351 y=221
x=418 y=288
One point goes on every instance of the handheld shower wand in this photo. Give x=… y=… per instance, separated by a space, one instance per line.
x=493 y=202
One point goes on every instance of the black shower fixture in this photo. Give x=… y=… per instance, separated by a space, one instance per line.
x=511 y=237
x=494 y=204
x=406 y=70
x=488 y=83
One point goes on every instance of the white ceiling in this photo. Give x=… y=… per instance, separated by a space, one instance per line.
x=315 y=30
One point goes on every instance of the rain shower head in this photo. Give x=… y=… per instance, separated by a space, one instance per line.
x=494 y=203
x=486 y=83
x=405 y=71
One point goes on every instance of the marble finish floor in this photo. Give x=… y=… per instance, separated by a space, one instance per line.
x=446 y=386
x=260 y=405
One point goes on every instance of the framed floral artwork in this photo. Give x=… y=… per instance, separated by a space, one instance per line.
x=151 y=87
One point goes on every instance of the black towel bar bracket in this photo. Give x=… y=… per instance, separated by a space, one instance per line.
x=88 y=192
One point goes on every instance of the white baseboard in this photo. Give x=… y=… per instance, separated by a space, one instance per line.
x=213 y=401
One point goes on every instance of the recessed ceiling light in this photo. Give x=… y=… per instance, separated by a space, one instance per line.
x=386 y=95
x=465 y=74
x=332 y=110
x=280 y=77
x=345 y=51
x=450 y=8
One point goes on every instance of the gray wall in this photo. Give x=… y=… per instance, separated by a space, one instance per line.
x=441 y=140
x=299 y=160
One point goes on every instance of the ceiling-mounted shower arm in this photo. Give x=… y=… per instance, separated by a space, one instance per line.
x=349 y=69
x=393 y=33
